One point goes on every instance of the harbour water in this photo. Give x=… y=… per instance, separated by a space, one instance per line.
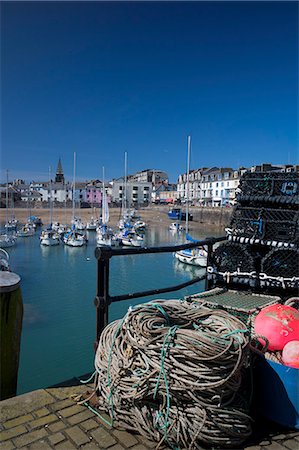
x=59 y=286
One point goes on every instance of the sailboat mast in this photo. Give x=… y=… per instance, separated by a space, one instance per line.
x=50 y=197
x=73 y=193
x=126 y=174
x=103 y=193
x=187 y=184
x=6 y=200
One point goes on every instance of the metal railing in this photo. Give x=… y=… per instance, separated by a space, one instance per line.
x=103 y=255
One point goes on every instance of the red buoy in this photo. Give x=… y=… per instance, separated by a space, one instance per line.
x=290 y=354
x=279 y=324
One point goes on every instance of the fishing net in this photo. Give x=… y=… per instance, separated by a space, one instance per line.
x=175 y=372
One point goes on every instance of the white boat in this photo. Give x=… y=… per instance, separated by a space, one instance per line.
x=132 y=239
x=92 y=224
x=74 y=238
x=176 y=226
x=4 y=261
x=49 y=238
x=139 y=226
x=26 y=231
x=7 y=240
x=79 y=225
x=11 y=225
x=196 y=256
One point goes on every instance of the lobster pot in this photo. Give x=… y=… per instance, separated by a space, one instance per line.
x=237 y=264
x=243 y=305
x=275 y=227
x=280 y=269
x=276 y=392
x=277 y=187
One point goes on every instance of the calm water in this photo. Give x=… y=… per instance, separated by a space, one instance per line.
x=58 y=287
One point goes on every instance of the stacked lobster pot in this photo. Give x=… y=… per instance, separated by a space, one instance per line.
x=262 y=251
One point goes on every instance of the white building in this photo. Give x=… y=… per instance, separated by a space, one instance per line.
x=137 y=193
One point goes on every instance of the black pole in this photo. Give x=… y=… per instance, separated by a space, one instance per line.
x=102 y=299
x=210 y=251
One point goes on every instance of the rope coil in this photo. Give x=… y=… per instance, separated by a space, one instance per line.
x=174 y=371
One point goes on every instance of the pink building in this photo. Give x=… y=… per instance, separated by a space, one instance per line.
x=94 y=194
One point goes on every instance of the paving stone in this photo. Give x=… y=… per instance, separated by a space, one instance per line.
x=62 y=393
x=91 y=446
x=278 y=437
x=12 y=432
x=291 y=444
x=274 y=446
x=62 y=404
x=57 y=426
x=8 y=445
x=89 y=424
x=126 y=439
x=29 y=438
x=146 y=442
x=265 y=443
x=117 y=447
x=104 y=439
x=41 y=412
x=18 y=421
x=40 y=445
x=25 y=403
x=56 y=438
x=71 y=411
x=77 y=435
x=139 y=447
x=254 y=447
x=104 y=420
x=42 y=421
x=77 y=418
x=66 y=445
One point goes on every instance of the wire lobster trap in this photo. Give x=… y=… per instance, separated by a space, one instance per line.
x=241 y=304
x=265 y=225
x=273 y=184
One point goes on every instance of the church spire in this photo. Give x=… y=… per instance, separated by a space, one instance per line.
x=59 y=178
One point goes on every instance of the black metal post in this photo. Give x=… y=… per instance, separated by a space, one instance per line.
x=210 y=251
x=102 y=299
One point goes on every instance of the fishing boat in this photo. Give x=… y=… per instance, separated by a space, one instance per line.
x=197 y=256
x=4 y=261
x=11 y=225
x=74 y=238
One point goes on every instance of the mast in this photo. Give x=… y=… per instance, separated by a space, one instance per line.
x=126 y=170
x=187 y=184
x=73 y=191
x=6 y=199
x=50 y=197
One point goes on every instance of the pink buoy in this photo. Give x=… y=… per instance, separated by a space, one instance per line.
x=290 y=354
x=279 y=324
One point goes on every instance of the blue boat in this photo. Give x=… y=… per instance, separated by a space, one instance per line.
x=178 y=214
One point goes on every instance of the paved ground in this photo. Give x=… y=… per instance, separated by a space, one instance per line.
x=51 y=419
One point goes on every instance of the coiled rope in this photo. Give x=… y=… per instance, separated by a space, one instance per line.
x=174 y=371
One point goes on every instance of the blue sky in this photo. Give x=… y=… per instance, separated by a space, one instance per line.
x=102 y=78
